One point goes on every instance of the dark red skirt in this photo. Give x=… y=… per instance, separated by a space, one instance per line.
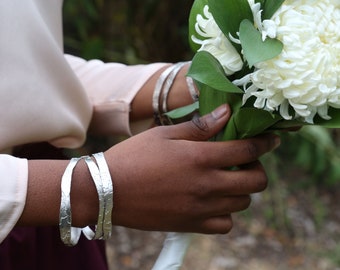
x=42 y=249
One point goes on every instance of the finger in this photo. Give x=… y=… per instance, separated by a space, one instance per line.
x=216 y=225
x=223 y=205
x=233 y=153
x=223 y=182
x=252 y=179
x=201 y=128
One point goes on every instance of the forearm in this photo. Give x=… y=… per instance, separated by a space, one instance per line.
x=43 y=194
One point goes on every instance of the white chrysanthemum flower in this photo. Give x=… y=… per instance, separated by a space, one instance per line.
x=216 y=43
x=267 y=27
x=306 y=75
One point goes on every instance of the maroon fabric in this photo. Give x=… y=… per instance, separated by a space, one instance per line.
x=41 y=248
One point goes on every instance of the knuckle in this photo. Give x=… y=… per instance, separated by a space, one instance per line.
x=199 y=156
x=252 y=150
x=200 y=190
x=200 y=127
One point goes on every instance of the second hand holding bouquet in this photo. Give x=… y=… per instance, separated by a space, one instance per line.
x=275 y=62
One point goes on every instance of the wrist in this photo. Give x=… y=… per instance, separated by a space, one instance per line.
x=84 y=198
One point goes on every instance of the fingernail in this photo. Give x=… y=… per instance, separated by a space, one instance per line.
x=219 y=112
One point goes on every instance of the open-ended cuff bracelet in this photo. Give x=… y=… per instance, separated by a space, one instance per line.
x=162 y=90
x=102 y=179
x=108 y=194
x=157 y=94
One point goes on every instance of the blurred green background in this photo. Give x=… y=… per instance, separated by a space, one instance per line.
x=305 y=169
x=129 y=31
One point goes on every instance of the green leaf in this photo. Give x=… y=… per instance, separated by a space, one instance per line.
x=207 y=70
x=228 y=14
x=255 y=50
x=210 y=99
x=183 y=111
x=261 y=2
x=197 y=8
x=249 y=122
x=288 y=124
x=270 y=7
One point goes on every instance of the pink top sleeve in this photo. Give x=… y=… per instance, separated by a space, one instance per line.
x=111 y=88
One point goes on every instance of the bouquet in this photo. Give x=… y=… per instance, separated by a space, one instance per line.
x=276 y=62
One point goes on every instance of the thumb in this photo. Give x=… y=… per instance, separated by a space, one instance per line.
x=202 y=128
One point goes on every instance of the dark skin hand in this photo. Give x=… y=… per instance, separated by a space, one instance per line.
x=166 y=179
x=181 y=184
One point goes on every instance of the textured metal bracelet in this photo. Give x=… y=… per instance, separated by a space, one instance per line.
x=108 y=194
x=95 y=174
x=166 y=90
x=68 y=234
x=191 y=86
x=157 y=93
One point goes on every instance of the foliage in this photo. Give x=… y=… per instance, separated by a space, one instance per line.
x=315 y=150
x=128 y=31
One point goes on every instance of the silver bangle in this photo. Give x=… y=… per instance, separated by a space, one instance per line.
x=157 y=93
x=166 y=90
x=108 y=194
x=102 y=179
x=95 y=174
x=162 y=90
x=68 y=234
x=192 y=89
x=169 y=82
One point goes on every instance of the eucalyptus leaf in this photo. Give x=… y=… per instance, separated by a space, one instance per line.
x=210 y=99
x=206 y=69
x=249 y=122
x=197 y=8
x=254 y=49
x=287 y=124
x=270 y=7
x=228 y=14
x=183 y=111
x=261 y=2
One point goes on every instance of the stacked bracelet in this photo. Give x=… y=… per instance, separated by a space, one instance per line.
x=108 y=194
x=102 y=179
x=192 y=89
x=157 y=94
x=162 y=90
x=69 y=235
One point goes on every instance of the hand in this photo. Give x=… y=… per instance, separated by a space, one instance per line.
x=171 y=179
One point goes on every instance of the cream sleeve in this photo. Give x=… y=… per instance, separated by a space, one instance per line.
x=47 y=96
x=13 y=188
x=111 y=88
